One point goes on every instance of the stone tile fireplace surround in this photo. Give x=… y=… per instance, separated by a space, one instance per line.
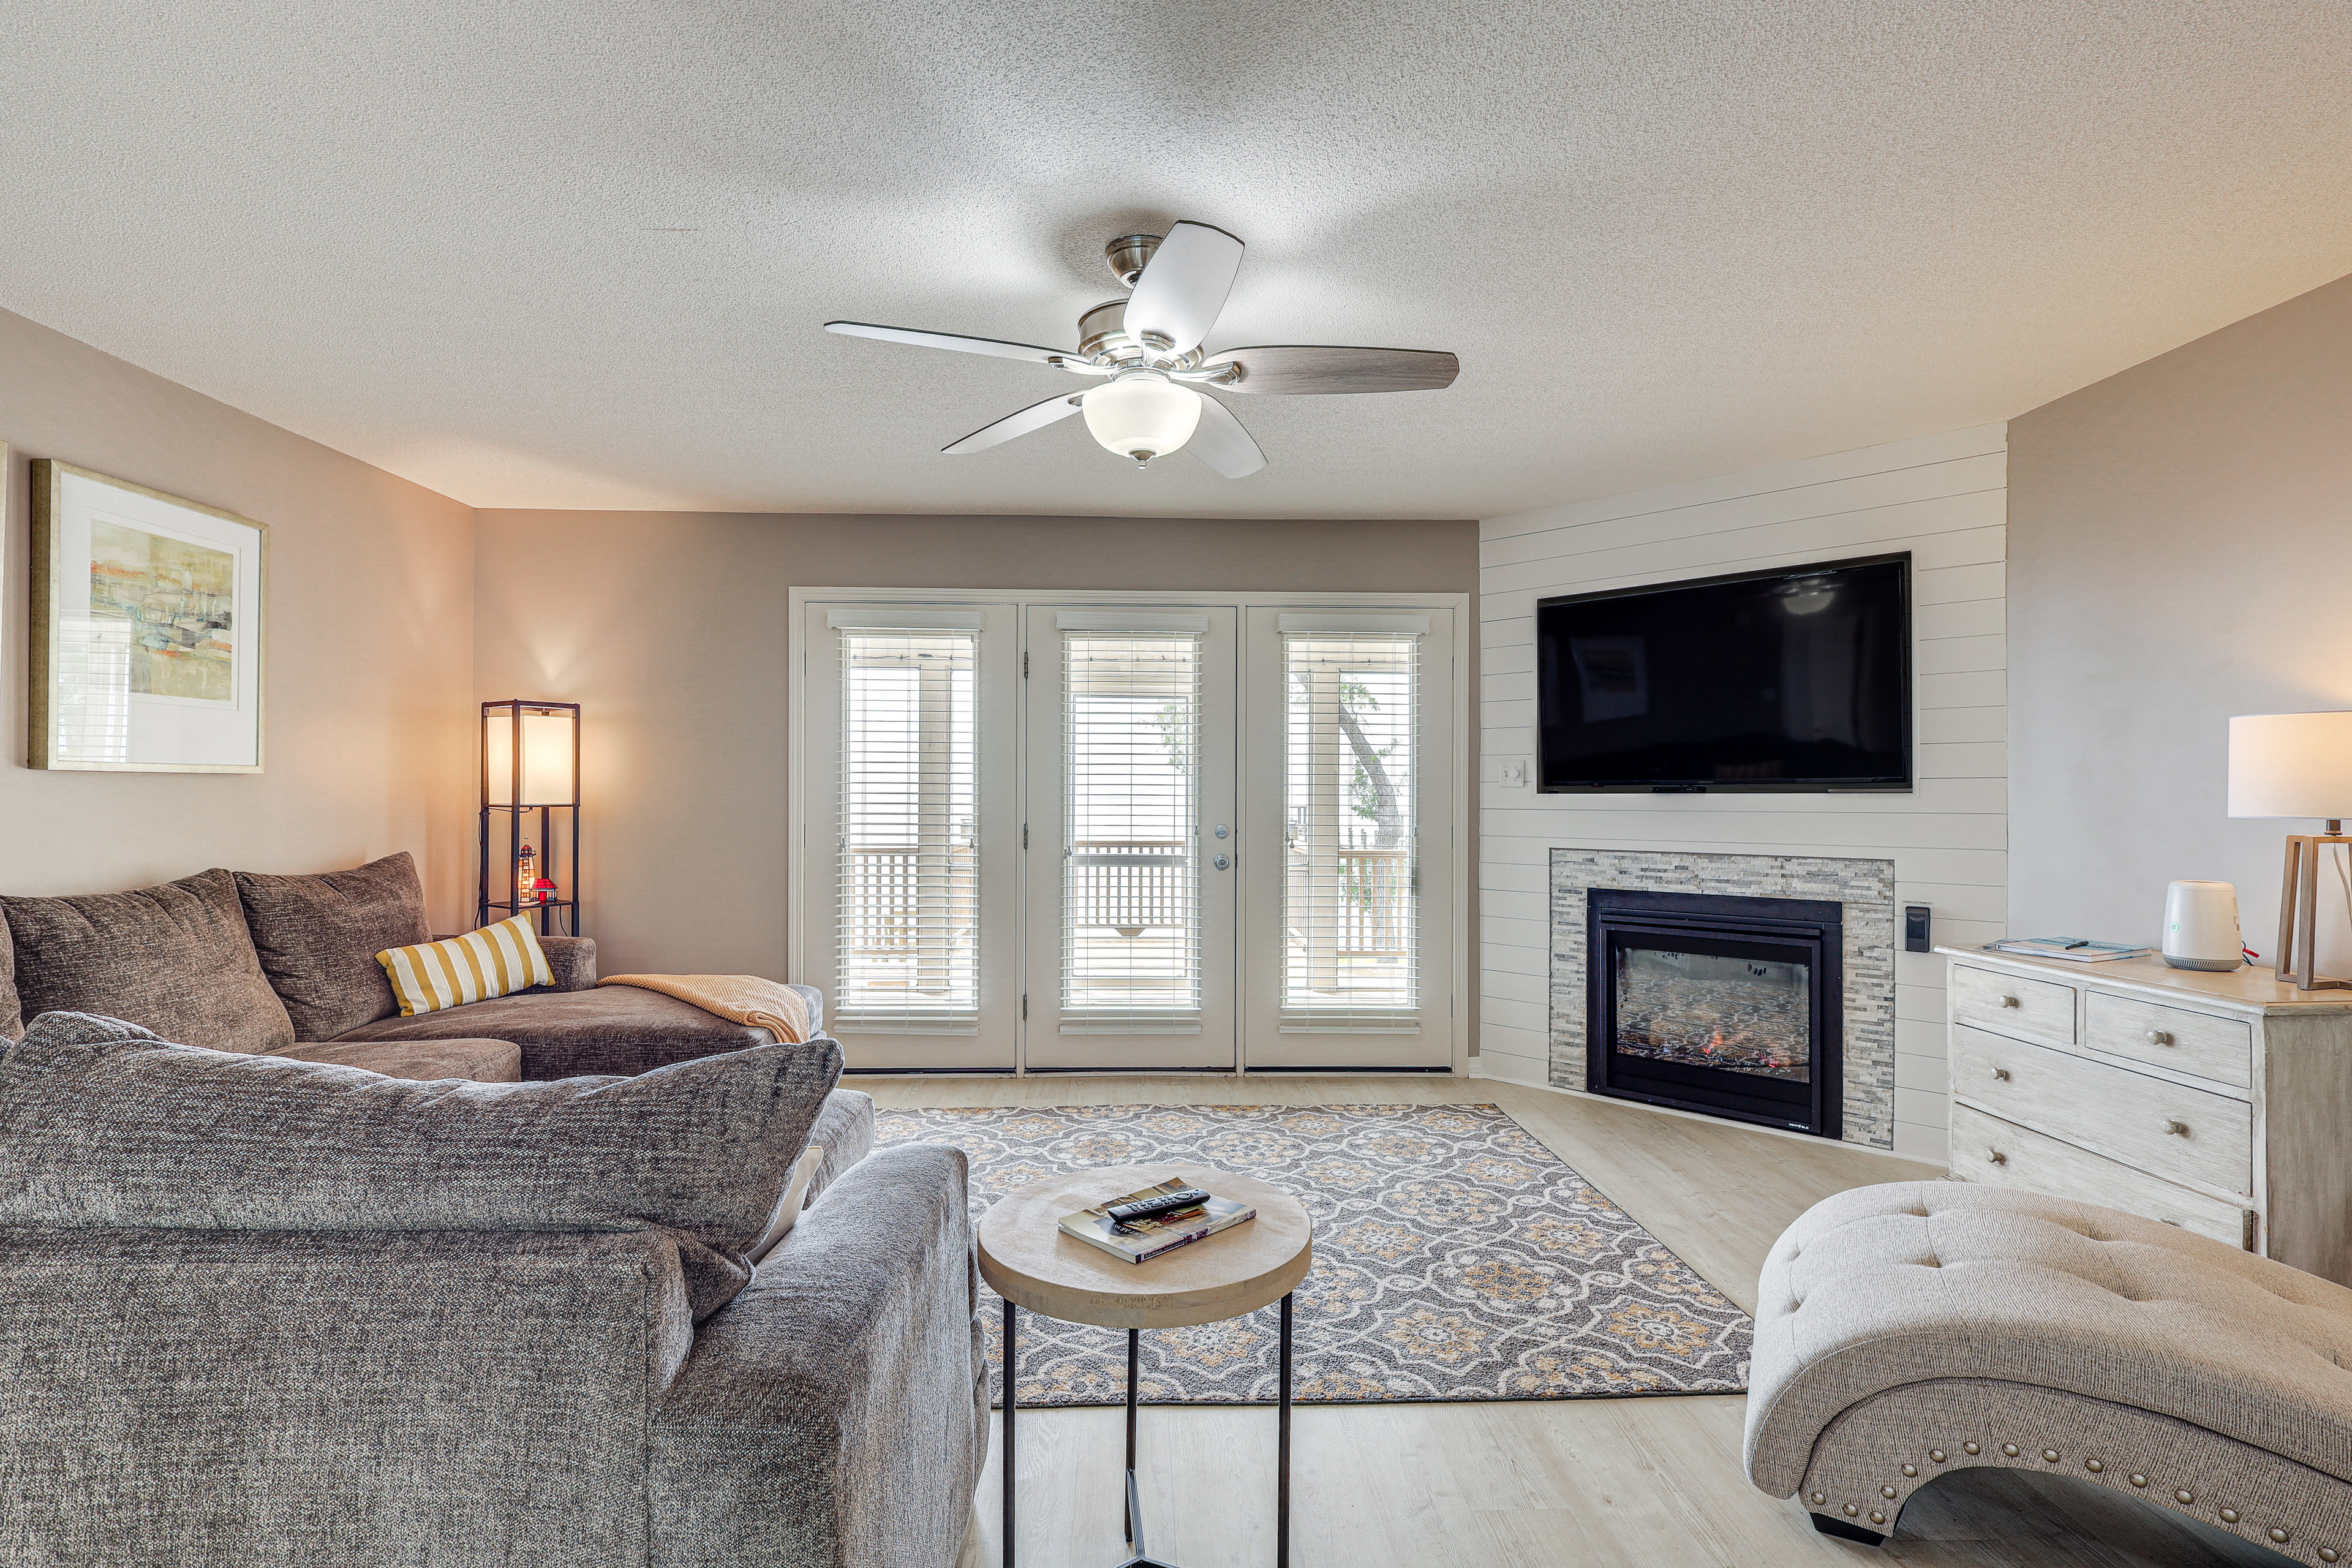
x=1865 y=889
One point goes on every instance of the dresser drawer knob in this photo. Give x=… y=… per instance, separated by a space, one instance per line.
x=2174 y=1125
x=2008 y=1002
x=1995 y=1157
x=2159 y=1037
x=2000 y=1074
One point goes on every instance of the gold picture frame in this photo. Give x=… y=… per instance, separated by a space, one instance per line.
x=147 y=639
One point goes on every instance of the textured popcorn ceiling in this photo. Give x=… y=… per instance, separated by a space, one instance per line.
x=1667 y=240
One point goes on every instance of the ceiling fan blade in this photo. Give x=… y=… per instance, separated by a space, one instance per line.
x=1306 y=367
x=1037 y=417
x=1184 y=286
x=923 y=340
x=1219 y=441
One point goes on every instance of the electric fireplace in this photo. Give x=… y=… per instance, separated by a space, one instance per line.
x=1713 y=1002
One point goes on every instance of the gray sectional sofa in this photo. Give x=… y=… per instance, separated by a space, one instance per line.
x=257 y=1308
x=241 y=961
x=262 y=1311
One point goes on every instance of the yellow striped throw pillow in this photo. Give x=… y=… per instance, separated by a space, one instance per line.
x=496 y=961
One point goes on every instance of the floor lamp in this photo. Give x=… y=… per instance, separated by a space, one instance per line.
x=531 y=764
x=2297 y=764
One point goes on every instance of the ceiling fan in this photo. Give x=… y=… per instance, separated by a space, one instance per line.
x=1148 y=346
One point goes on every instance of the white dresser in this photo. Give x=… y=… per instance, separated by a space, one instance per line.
x=2221 y=1103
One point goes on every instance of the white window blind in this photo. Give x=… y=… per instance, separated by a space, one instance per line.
x=909 y=874
x=1351 y=881
x=1130 y=889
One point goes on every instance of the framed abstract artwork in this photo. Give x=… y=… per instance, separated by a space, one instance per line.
x=146 y=630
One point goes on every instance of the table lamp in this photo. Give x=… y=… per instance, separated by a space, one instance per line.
x=2296 y=765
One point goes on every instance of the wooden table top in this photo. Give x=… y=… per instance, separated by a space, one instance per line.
x=1026 y=1259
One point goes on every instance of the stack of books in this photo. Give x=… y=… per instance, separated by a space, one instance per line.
x=2073 y=949
x=1137 y=1240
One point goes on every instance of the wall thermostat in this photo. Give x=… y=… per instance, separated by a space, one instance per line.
x=1914 y=929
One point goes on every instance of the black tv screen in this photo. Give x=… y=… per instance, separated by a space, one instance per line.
x=1786 y=680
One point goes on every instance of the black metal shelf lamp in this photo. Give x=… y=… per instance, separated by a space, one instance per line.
x=530 y=762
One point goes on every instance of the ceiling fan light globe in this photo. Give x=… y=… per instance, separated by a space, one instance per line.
x=1142 y=415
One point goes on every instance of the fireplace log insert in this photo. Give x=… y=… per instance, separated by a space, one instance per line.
x=1729 y=1005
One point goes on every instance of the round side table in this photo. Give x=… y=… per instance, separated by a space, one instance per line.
x=1026 y=1259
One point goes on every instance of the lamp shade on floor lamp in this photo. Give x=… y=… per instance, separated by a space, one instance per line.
x=549 y=741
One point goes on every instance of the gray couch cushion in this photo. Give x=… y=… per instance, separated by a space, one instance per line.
x=845 y=1131
x=316 y=938
x=605 y=1030
x=481 y=1061
x=175 y=958
x=572 y=960
x=101 y=1124
x=431 y=1399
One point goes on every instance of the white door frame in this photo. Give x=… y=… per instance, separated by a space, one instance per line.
x=798 y=888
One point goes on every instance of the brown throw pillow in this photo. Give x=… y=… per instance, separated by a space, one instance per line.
x=318 y=937
x=174 y=959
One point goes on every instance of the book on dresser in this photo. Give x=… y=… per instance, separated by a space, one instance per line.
x=2071 y=949
x=2218 y=1101
x=1139 y=1240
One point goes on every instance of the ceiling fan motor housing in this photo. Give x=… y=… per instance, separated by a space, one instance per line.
x=1103 y=330
x=1102 y=334
x=1128 y=253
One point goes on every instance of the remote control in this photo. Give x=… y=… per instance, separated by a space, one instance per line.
x=1124 y=1214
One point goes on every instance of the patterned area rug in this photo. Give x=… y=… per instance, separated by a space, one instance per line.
x=1455 y=1257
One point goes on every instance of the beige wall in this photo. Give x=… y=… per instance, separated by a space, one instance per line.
x=669 y=627
x=2178 y=541
x=369 y=647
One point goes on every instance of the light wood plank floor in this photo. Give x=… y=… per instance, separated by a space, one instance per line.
x=1598 y=1483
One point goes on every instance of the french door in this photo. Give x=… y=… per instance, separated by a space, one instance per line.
x=909 y=861
x=1127 y=836
x=1132 y=789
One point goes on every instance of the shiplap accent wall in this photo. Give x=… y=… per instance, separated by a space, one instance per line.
x=1943 y=497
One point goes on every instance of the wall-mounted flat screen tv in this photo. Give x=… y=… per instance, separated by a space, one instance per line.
x=1787 y=680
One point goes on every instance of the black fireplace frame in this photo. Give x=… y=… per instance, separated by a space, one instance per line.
x=1811 y=929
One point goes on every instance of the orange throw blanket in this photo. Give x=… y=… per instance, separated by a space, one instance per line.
x=768 y=1004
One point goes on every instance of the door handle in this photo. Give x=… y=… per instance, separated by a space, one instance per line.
x=1221 y=862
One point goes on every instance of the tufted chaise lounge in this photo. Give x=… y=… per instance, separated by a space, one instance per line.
x=1907 y=1331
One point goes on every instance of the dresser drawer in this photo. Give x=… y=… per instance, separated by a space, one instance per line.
x=2180 y=1134
x=2219 y=1048
x=2003 y=1154
x=2042 y=1009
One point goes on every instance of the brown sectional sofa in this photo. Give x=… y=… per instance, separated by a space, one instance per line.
x=242 y=960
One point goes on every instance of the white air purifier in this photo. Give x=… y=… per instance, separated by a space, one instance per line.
x=2200 y=926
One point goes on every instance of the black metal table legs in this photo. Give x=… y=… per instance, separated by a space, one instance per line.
x=1134 y=1507
x=1282 y=1454
x=1007 y=1457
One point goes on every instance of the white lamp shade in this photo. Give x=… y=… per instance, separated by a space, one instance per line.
x=547 y=740
x=2290 y=764
x=1141 y=416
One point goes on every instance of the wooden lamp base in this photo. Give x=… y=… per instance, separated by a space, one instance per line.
x=2298 y=940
